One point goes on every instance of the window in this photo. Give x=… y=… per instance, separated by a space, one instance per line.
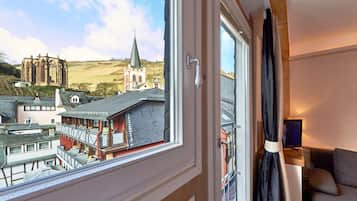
x=27 y=108
x=43 y=145
x=52 y=121
x=50 y=162
x=162 y=129
x=15 y=149
x=233 y=75
x=53 y=108
x=27 y=121
x=134 y=78
x=30 y=147
x=75 y=99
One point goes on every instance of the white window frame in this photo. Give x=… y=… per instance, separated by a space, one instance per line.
x=75 y=99
x=28 y=121
x=170 y=165
x=214 y=116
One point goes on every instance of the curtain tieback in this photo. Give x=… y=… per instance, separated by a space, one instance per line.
x=273 y=147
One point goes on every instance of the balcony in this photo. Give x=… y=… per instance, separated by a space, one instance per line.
x=73 y=159
x=88 y=136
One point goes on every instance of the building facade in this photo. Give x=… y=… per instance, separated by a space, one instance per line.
x=26 y=148
x=40 y=110
x=111 y=127
x=44 y=71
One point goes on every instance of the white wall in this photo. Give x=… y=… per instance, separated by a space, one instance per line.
x=33 y=154
x=323 y=92
x=40 y=117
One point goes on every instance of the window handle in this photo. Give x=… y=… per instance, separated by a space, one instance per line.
x=195 y=61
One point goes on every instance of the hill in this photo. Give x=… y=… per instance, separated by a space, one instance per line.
x=7 y=88
x=8 y=69
x=100 y=78
x=107 y=77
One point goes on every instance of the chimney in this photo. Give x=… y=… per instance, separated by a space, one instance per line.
x=37 y=98
x=58 y=100
x=156 y=83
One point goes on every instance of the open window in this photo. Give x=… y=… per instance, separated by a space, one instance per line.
x=124 y=139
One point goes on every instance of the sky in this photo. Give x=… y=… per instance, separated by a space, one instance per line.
x=81 y=29
x=227 y=51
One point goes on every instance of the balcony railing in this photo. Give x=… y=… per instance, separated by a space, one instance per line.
x=69 y=158
x=84 y=135
x=88 y=136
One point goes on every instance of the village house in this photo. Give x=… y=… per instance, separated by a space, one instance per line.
x=40 y=110
x=25 y=148
x=111 y=127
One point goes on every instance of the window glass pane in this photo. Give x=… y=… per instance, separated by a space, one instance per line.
x=43 y=145
x=30 y=147
x=100 y=69
x=15 y=149
x=228 y=116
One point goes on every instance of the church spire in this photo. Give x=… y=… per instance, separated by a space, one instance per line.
x=134 y=57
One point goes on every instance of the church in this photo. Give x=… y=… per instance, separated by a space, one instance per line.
x=135 y=73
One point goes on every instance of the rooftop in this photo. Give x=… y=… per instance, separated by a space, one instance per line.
x=107 y=108
x=135 y=57
x=66 y=95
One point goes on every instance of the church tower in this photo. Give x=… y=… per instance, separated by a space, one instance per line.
x=135 y=73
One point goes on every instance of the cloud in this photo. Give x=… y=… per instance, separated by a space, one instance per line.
x=64 y=6
x=82 y=54
x=110 y=36
x=16 y=48
x=119 y=19
x=68 y=5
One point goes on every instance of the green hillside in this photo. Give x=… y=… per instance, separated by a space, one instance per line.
x=100 y=78
x=9 y=74
x=8 y=69
x=107 y=77
x=7 y=88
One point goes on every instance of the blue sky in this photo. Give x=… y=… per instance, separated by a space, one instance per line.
x=227 y=51
x=81 y=29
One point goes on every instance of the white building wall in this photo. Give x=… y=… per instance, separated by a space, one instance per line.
x=33 y=154
x=40 y=117
x=128 y=77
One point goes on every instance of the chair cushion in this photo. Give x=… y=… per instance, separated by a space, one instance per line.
x=345 y=166
x=322 y=180
x=347 y=193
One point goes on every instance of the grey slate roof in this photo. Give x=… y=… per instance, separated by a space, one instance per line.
x=17 y=126
x=8 y=110
x=10 y=139
x=134 y=56
x=227 y=100
x=8 y=105
x=106 y=108
x=25 y=99
x=67 y=95
x=145 y=124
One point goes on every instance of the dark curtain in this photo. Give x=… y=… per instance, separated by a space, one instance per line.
x=269 y=180
x=167 y=71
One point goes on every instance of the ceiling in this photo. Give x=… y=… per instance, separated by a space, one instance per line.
x=316 y=25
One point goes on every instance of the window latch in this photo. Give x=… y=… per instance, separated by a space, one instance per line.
x=196 y=62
